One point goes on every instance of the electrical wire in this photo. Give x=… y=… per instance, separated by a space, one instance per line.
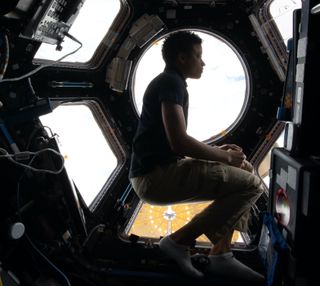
x=25 y=155
x=47 y=260
x=33 y=245
x=18 y=205
x=6 y=59
x=44 y=66
x=92 y=231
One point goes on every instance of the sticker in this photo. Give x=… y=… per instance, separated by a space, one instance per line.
x=292 y=177
x=282 y=179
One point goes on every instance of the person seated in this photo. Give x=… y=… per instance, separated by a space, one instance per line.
x=168 y=166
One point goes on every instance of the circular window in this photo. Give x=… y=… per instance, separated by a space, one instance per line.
x=217 y=100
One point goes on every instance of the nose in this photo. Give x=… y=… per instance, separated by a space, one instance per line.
x=203 y=63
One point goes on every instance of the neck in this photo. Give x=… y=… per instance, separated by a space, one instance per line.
x=177 y=69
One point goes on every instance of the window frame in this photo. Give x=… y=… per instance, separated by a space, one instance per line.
x=103 y=49
x=229 y=129
x=108 y=130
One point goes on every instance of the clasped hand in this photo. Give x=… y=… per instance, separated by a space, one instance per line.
x=236 y=157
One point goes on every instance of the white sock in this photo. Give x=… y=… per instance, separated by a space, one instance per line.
x=180 y=254
x=227 y=265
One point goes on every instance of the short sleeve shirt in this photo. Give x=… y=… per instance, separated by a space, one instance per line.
x=150 y=145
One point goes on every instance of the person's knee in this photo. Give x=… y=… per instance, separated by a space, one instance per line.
x=257 y=186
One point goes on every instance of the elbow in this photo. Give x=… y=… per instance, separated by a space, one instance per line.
x=178 y=143
x=177 y=147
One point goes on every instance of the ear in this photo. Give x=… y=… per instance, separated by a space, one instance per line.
x=182 y=58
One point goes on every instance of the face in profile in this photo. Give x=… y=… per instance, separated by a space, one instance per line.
x=193 y=63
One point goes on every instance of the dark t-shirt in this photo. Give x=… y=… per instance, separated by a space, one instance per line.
x=150 y=145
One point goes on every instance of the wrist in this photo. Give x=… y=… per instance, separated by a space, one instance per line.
x=229 y=157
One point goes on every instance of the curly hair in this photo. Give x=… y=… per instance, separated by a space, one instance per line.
x=178 y=42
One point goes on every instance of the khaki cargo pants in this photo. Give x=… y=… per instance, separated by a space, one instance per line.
x=233 y=192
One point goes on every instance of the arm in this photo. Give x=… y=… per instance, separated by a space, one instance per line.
x=185 y=145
